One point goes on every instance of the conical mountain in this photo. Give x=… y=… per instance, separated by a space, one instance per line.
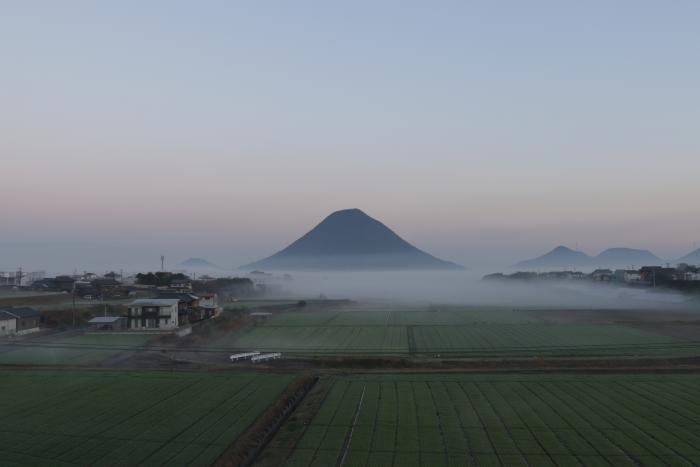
x=351 y=240
x=560 y=257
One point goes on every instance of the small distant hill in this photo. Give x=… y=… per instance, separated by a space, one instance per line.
x=350 y=240
x=560 y=257
x=624 y=257
x=197 y=263
x=563 y=257
x=691 y=258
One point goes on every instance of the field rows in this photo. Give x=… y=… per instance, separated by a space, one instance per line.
x=329 y=338
x=532 y=336
x=507 y=420
x=409 y=317
x=127 y=419
x=527 y=339
x=75 y=350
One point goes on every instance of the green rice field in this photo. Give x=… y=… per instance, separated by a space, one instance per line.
x=503 y=420
x=74 y=418
x=74 y=350
x=449 y=332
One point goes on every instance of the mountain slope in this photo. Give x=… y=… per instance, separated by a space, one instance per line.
x=561 y=257
x=197 y=263
x=627 y=257
x=691 y=258
x=350 y=239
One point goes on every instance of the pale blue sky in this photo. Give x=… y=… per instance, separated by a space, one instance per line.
x=478 y=130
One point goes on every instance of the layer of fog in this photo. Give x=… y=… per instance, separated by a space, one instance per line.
x=466 y=287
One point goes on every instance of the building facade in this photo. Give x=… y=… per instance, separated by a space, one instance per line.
x=26 y=321
x=8 y=324
x=155 y=313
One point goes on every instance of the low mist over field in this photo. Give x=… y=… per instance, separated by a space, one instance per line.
x=467 y=287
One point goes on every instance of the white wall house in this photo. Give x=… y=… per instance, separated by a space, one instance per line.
x=19 y=321
x=8 y=324
x=153 y=313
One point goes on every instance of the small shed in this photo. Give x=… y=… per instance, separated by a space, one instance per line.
x=26 y=320
x=107 y=323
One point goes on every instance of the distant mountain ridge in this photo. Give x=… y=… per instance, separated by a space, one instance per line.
x=619 y=257
x=628 y=256
x=351 y=240
x=560 y=256
x=198 y=263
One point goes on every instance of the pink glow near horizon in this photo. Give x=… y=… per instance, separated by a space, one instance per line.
x=230 y=132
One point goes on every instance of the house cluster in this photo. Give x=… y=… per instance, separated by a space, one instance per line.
x=683 y=276
x=20 y=278
x=650 y=275
x=17 y=321
x=168 y=299
x=87 y=286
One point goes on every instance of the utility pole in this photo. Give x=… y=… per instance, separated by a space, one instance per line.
x=74 y=304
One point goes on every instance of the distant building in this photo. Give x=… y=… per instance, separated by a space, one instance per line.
x=20 y=279
x=55 y=284
x=183 y=285
x=209 y=303
x=108 y=323
x=19 y=321
x=602 y=275
x=110 y=288
x=628 y=276
x=105 y=283
x=153 y=313
x=191 y=307
x=686 y=276
x=86 y=291
x=209 y=300
x=657 y=275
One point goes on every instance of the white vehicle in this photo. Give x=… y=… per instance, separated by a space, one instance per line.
x=243 y=356
x=266 y=356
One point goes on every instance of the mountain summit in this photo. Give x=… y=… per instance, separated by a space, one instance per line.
x=197 y=263
x=350 y=239
x=563 y=257
x=624 y=257
x=560 y=257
